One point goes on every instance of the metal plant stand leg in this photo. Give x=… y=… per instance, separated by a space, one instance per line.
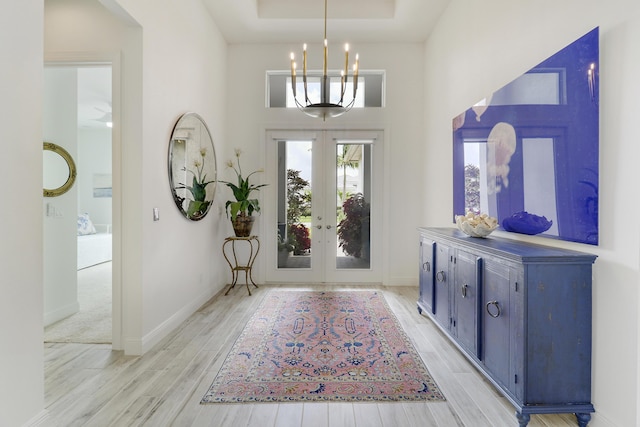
x=235 y=266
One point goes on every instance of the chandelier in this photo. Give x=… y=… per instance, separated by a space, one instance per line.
x=325 y=108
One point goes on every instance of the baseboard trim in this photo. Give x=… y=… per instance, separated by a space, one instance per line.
x=52 y=317
x=600 y=419
x=137 y=347
x=402 y=281
x=42 y=419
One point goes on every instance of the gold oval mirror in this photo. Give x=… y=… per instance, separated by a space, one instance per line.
x=59 y=170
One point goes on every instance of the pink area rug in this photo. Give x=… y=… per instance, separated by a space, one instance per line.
x=323 y=346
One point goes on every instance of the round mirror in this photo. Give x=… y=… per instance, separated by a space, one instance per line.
x=192 y=166
x=58 y=171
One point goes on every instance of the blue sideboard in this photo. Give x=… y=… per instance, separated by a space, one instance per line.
x=521 y=313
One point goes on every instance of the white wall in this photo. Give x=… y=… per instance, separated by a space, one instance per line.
x=477 y=48
x=60 y=124
x=169 y=267
x=401 y=120
x=84 y=31
x=21 y=334
x=184 y=69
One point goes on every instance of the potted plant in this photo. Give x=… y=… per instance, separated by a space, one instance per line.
x=353 y=230
x=242 y=208
x=298 y=205
x=300 y=238
x=199 y=206
x=285 y=248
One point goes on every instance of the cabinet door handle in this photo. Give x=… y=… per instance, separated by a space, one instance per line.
x=464 y=290
x=493 y=313
x=426 y=266
x=440 y=277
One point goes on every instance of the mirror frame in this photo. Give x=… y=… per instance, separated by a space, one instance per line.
x=206 y=171
x=71 y=179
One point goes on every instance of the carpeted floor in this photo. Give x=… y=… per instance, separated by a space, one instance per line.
x=323 y=346
x=92 y=324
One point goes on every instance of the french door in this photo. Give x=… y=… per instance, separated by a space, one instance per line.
x=322 y=221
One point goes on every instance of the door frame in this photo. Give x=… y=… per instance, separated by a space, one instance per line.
x=374 y=275
x=80 y=59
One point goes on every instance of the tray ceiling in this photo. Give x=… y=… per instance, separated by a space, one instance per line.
x=278 y=21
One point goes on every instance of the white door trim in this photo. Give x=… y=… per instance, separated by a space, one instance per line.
x=377 y=271
x=114 y=60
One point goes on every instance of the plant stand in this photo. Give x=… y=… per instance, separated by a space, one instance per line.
x=236 y=266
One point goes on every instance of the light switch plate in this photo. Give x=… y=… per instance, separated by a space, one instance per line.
x=156 y=214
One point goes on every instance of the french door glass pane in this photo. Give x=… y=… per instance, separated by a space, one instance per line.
x=294 y=204
x=353 y=194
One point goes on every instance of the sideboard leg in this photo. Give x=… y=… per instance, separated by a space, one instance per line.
x=583 y=419
x=523 y=419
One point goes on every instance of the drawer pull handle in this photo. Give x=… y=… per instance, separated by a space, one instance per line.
x=495 y=313
x=426 y=266
x=440 y=277
x=464 y=290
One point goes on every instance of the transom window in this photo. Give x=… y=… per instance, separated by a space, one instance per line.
x=280 y=95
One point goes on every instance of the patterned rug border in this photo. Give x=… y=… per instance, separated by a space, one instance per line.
x=432 y=394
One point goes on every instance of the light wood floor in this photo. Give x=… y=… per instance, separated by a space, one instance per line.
x=91 y=385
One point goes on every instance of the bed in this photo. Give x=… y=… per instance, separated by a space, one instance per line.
x=94 y=242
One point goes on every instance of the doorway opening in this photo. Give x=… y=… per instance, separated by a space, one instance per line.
x=78 y=226
x=325 y=223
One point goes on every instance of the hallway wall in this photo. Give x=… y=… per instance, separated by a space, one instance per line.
x=86 y=32
x=178 y=263
x=178 y=66
x=476 y=49
x=21 y=333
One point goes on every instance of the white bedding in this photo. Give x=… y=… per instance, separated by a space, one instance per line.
x=93 y=249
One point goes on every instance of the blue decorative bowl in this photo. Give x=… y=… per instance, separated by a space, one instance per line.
x=526 y=223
